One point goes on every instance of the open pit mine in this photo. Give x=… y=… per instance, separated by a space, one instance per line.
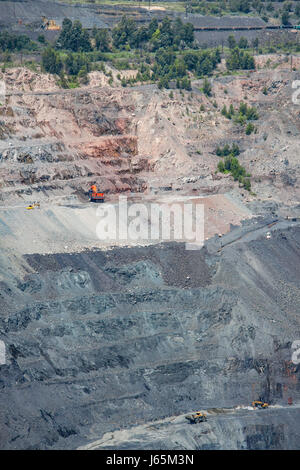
x=130 y=343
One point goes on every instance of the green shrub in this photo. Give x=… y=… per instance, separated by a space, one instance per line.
x=249 y=128
x=240 y=60
x=221 y=166
x=247 y=184
x=207 y=88
x=232 y=165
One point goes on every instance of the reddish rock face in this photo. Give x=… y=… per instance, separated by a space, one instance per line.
x=122 y=124
x=142 y=135
x=111 y=147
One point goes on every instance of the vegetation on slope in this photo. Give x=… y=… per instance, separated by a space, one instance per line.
x=160 y=52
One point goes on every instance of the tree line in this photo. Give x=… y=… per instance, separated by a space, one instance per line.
x=11 y=42
x=173 y=55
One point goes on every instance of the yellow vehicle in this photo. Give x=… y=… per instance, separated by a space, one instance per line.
x=259 y=404
x=33 y=206
x=50 y=25
x=196 y=418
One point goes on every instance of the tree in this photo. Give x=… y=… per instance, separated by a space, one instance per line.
x=255 y=43
x=140 y=36
x=62 y=80
x=124 y=33
x=79 y=38
x=239 y=59
x=249 y=128
x=248 y=62
x=75 y=62
x=243 y=43
x=224 y=111
x=63 y=39
x=226 y=150
x=247 y=184
x=231 y=42
x=102 y=40
x=11 y=42
x=153 y=26
x=243 y=108
x=221 y=166
x=186 y=83
x=187 y=33
x=163 y=82
x=51 y=61
x=165 y=57
x=287 y=6
x=285 y=18
x=166 y=33
x=180 y=68
x=83 y=75
x=243 y=5
x=73 y=37
x=231 y=111
x=207 y=88
x=257 y=5
x=219 y=151
x=191 y=60
x=235 y=151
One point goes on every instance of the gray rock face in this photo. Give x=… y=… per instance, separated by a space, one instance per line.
x=99 y=341
x=32 y=11
x=224 y=429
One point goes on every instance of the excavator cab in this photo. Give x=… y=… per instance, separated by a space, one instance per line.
x=196 y=418
x=94 y=195
x=259 y=404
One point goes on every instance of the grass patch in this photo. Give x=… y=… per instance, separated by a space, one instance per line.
x=175 y=6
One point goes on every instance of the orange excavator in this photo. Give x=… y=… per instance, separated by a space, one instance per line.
x=94 y=195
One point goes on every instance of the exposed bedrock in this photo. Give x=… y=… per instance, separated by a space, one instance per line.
x=97 y=341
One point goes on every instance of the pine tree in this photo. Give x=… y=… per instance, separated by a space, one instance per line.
x=207 y=88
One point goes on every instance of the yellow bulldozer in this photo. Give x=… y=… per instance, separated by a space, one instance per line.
x=260 y=404
x=197 y=417
x=50 y=25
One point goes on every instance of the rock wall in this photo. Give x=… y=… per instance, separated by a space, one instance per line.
x=98 y=341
